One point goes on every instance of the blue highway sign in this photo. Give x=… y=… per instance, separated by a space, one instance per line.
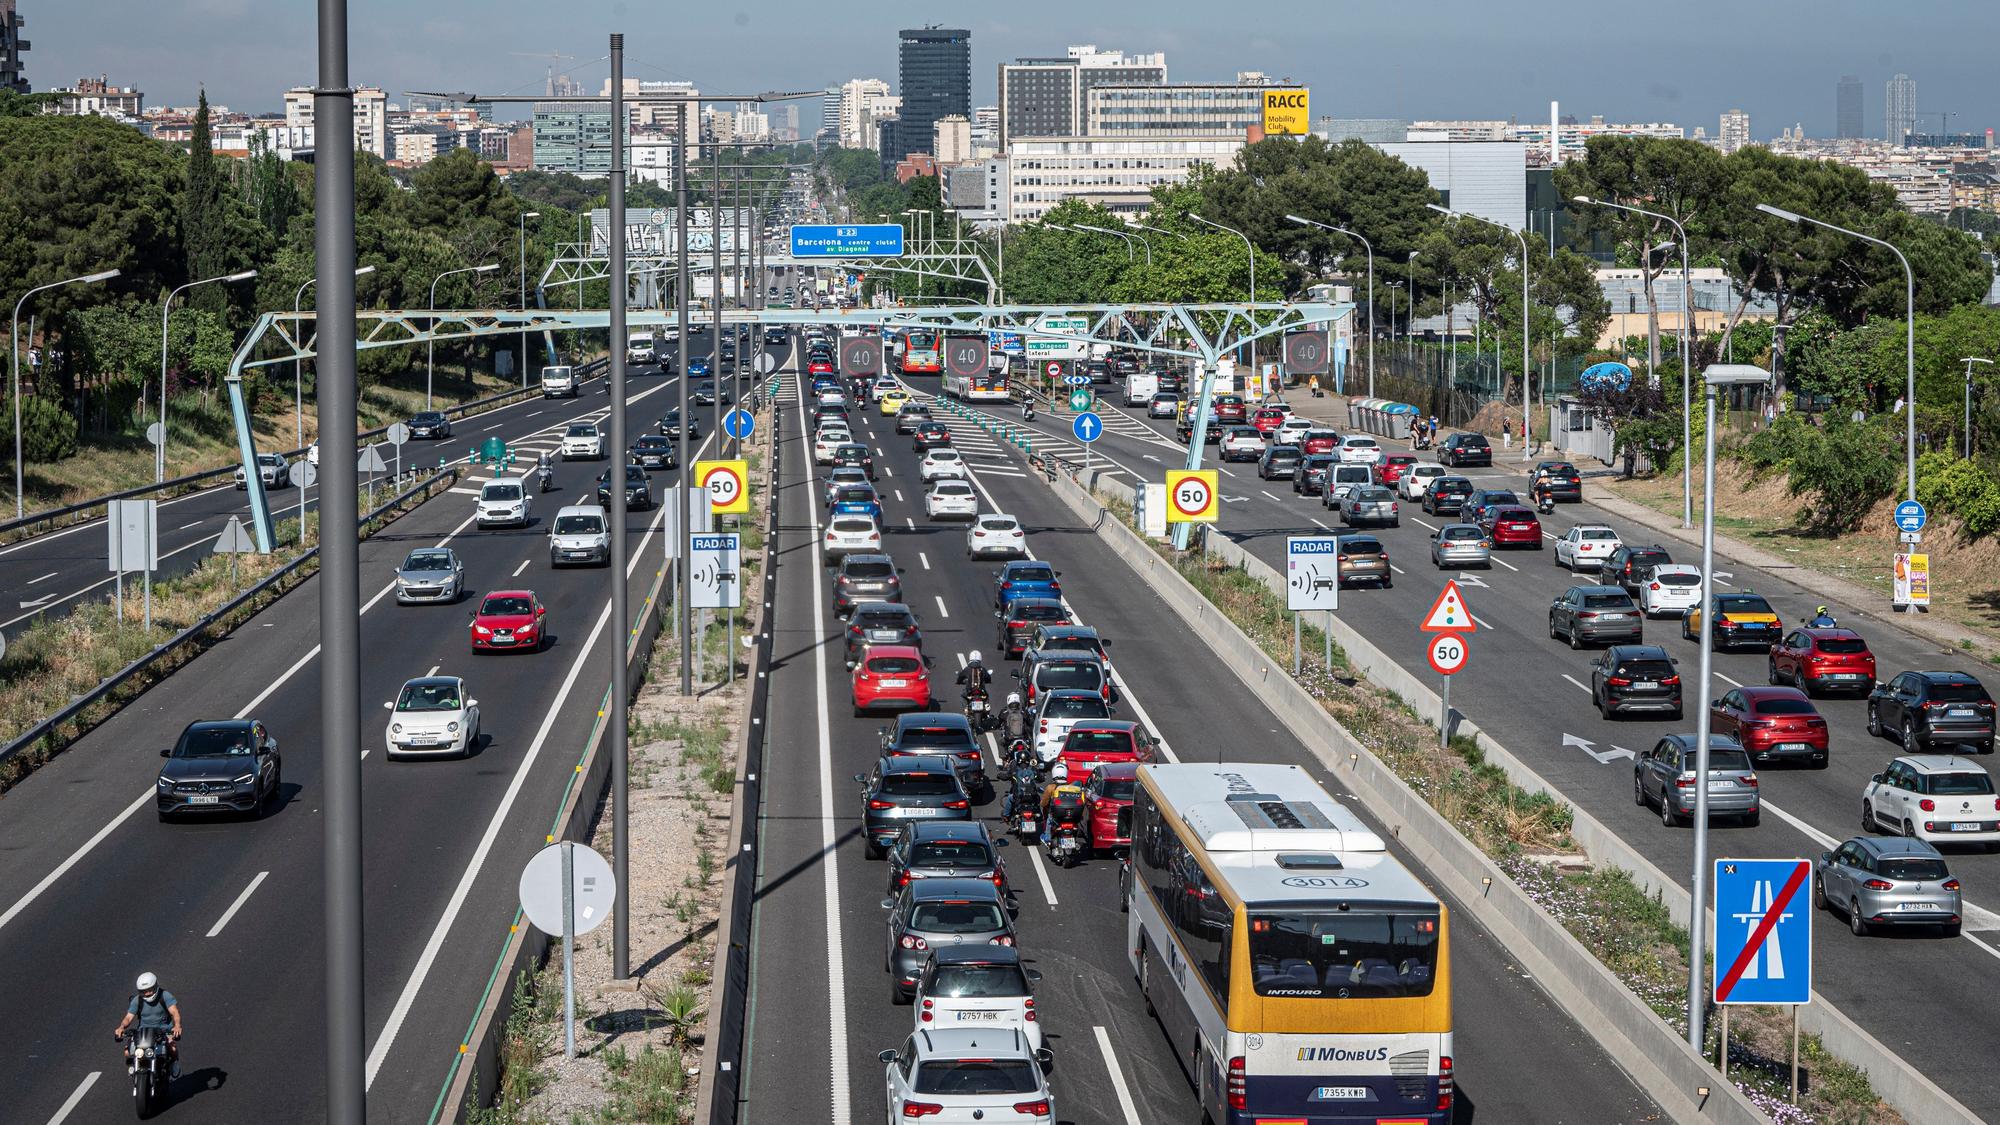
x=1763 y=931
x=1910 y=516
x=738 y=424
x=871 y=240
x=1087 y=427
x=1076 y=380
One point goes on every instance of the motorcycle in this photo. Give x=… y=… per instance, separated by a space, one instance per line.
x=978 y=711
x=146 y=1060
x=1066 y=844
x=1546 y=503
x=1027 y=410
x=1024 y=817
x=545 y=474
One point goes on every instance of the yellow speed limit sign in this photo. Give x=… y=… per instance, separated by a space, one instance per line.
x=727 y=484
x=1192 y=496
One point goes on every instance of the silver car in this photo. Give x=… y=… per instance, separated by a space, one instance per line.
x=1370 y=505
x=430 y=574
x=1887 y=881
x=1460 y=545
x=1664 y=775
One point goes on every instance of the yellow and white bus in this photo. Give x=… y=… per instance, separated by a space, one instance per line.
x=1302 y=974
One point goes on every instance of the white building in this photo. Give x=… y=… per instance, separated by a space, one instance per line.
x=371 y=117
x=951 y=140
x=856 y=95
x=752 y=126
x=1734 y=132
x=1116 y=172
x=1484 y=178
x=876 y=109
x=97 y=97
x=1459 y=131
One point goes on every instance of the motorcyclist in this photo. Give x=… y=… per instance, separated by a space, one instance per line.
x=1545 y=496
x=1014 y=720
x=545 y=473
x=974 y=677
x=1061 y=801
x=1027 y=409
x=1822 y=619
x=1024 y=782
x=154 y=1007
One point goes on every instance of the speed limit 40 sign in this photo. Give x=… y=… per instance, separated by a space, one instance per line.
x=1192 y=496
x=727 y=484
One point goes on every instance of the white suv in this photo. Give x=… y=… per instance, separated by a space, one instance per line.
x=990 y=1075
x=850 y=534
x=1673 y=589
x=1359 y=449
x=504 y=500
x=582 y=440
x=939 y=464
x=1586 y=545
x=1934 y=797
x=1415 y=479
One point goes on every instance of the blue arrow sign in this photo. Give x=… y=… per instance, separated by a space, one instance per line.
x=1910 y=516
x=738 y=424
x=1763 y=931
x=873 y=240
x=1087 y=427
x=1076 y=380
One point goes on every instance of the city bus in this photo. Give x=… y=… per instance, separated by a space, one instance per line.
x=920 y=353
x=1300 y=972
x=984 y=386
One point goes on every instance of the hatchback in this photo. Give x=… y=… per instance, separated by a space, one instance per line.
x=1635 y=678
x=1588 y=614
x=1935 y=797
x=1664 y=775
x=940 y=462
x=902 y=789
x=1632 y=566
x=854 y=455
x=1093 y=743
x=1772 y=723
x=951 y=499
x=1415 y=480
x=1821 y=660
x=1460 y=545
x=1671 y=590
x=1267 y=421
x=992 y=1076
x=1928 y=708
x=865 y=578
x=1509 y=526
x=881 y=623
x=508 y=620
x=1230 y=408
x=1028 y=578
x=1360 y=449
x=931 y=435
x=995 y=534
x=1888 y=882
x=979 y=987
x=891 y=676
x=1164 y=405
x=1586 y=546
x=1362 y=558
x=1484 y=498
x=931 y=849
x=1279 y=461
x=1465 y=449
x=1320 y=441
x=1022 y=617
x=1058 y=711
x=928 y=914
x=1370 y=505
x=1393 y=466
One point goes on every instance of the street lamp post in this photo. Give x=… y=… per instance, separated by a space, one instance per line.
x=1252 y=251
x=1367 y=247
x=1968 y=361
x=1527 y=377
x=166 y=308
x=15 y=352
x=430 y=345
x=1121 y=236
x=1410 y=321
x=298 y=373
x=525 y=216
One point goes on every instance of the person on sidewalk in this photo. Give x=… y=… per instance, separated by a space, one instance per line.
x=1506 y=433
x=1316 y=392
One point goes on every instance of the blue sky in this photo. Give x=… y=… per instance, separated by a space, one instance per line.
x=1686 y=62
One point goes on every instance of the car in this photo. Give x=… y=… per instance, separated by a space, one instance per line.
x=1210 y=434
x=1363 y=558
x=504 y=500
x=827 y=412
x=931 y=849
x=583 y=441
x=892 y=401
x=941 y=463
x=774 y=336
x=430 y=574
x=1590 y=614
x=1821 y=660
x=827 y=440
x=1267 y=421
x=1370 y=505
x=699 y=367
x=880 y=623
x=1279 y=461
x=1928 y=709
x=1565 y=483
x=931 y=436
x=1047 y=669
x=861 y=578
x=941 y=734
x=901 y=789
x=996 y=533
x=217 y=766
x=272 y=469
x=580 y=533
x=1663 y=776
x=509 y=620
x=993 y=1075
x=430 y=424
x=1635 y=678
x=1108 y=794
x=1027 y=578
x=1474 y=509
x=951 y=498
x=910 y=416
x=312 y=454
x=670 y=426
x=978 y=986
x=1320 y=441
x=1020 y=619
x=1056 y=711
x=1933 y=797
x=842 y=476
x=1309 y=478
x=1415 y=479
x=831 y=396
x=1164 y=404
x=1342 y=479
x=652 y=451
x=1394 y=465
x=431 y=715
x=926 y=914
x=1091 y=743
x=1461 y=545
x=1359 y=449
x=1586 y=546
x=1631 y=566
x=1292 y=430
x=638 y=488
x=1772 y=723
x=845 y=534
x=1740 y=619
x=1889 y=882
x=1671 y=590
x=856 y=500
x=1460 y=450
x=1075 y=637
x=1512 y=526
x=1241 y=443
x=1230 y=408
x=891 y=676
x=1447 y=495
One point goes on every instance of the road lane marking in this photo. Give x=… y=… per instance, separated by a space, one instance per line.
x=1322 y=523
x=940 y=604
x=53 y=573
x=522 y=567
x=185 y=526
x=238 y=904
x=1397 y=569
x=1426 y=523
x=1508 y=565
x=924 y=559
x=1727 y=679
x=1117 y=1076
x=76 y=1095
x=899 y=495
x=1577 y=682
x=1480 y=621
x=1042 y=874
x=434 y=670
x=490 y=429
x=1267 y=492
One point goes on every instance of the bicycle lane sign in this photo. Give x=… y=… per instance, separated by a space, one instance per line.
x=1763 y=931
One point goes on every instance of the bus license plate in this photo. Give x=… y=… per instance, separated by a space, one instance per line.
x=1339 y=1093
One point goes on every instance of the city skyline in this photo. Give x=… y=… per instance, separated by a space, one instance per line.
x=1478 y=63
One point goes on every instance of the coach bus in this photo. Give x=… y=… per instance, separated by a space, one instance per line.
x=982 y=386
x=920 y=353
x=1300 y=972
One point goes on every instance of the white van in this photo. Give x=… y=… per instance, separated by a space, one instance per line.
x=579 y=534
x=639 y=348
x=1140 y=387
x=559 y=382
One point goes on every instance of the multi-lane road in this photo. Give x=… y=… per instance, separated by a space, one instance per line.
x=820 y=1008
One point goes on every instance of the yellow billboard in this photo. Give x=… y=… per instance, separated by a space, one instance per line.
x=1287 y=113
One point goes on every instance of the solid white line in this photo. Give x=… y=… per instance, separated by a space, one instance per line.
x=63 y=1112
x=1814 y=834
x=1267 y=492
x=238 y=904
x=185 y=526
x=1042 y=874
x=63 y=868
x=53 y=573
x=1426 y=523
x=434 y=670
x=522 y=567
x=1117 y=1076
x=924 y=559
x=1480 y=621
x=941 y=609
x=1577 y=682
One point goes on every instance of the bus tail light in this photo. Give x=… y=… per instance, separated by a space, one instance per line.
x=1238 y=1084
x=1445 y=1088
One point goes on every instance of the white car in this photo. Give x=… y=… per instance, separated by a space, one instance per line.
x=431 y=715
x=1057 y=711
x=1674 y=589
x=850 y=534
x=1241 y=442
x=939 y=464
x=1163 y=406
x=1359 y=449
x=951 y=497
x=990 y=1075
x=583 y=441
x=1292 y=431
x=1934 y=797
x=504 y=500
x=978 y=987
x=996 y=534
x=828 y=440
x=883 y=387
x=1416 y=478
x=639 y=349
x=1586 y=545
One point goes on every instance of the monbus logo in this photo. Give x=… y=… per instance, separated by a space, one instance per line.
x=1343 y=1054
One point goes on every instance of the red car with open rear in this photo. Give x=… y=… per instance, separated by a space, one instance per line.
x=891 y=676
x=1822 y=660
x=1108 y=795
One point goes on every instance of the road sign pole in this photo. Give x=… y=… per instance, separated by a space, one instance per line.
x=621 y=622
x=1328 y=637
x=1795 y=1054
x=1444 y=716
x=569 y=932
x=1298 y=644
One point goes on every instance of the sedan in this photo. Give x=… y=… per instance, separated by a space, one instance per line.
x=891 y=676
x=1771 y=723
x=880 y=623
x=510 y=619
x=430 y=574
x=1589 y=614
x=638 y=488
x=1371 y=505
x=430 y=424
x=951 y=498
x=1822 y=660
x=227 y=765
x=941 y=463
x=931 y=435
x=431 y=715
x=670 y=426
x=1586 y=546
x=998 y=535
x=1458 y=545
x=1888 y=882
x=653 y=452
x=905 y=788
x=857 y=500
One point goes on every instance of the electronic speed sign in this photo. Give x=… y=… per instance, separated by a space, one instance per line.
x=727 y=485
x=1193 y=496
x=965 y=355
x=860 y=355
x=1306 y=352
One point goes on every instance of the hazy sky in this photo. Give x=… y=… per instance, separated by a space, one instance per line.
x=1683 y=62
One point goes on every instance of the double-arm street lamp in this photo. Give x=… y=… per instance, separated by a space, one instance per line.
x=430 y=345
x=166 y=308
x=1370 y=250
x=86 y=279
x=1527 y=375
x=1252 y=251
x=525 y=216
x=298 y=380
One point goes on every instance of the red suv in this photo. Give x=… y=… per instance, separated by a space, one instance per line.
x=1818 y=660
x=1510 y=526
x=1230 y=408
x=1097 y=742
x=1108 y=795
x=1320 y=441
x=1771 y=723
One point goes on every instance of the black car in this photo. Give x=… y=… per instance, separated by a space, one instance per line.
x=226 y=765
x=881 y=623
x=897 y=787
x=774 y=335
x=1564 y=482
x=855 y=455
x=430 y=424
x=1465 y=449
x=1098 y=370
x=1631 y=566
x=1635 y=678
x=1480 y=501
x=1309 y=478
x=670 y=425
x=910 y=416
x=932 y=435
x=928 y=849
x=1447 y=496
x=653 y=452
x=1927 y=709
x=941 y=733
x=1279 y=461
x=861 y=578
x=1022 y=616
x=638 y=489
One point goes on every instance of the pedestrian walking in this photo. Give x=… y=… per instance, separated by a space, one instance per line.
x=1507 y=433
x=1315 y=387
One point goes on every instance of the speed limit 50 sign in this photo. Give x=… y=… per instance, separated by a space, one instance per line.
x=727 y=484
x=1192 y=496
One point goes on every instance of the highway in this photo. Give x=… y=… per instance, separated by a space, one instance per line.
x=1532 y=694
x=819 y=1005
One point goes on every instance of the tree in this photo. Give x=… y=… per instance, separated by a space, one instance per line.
x=560 y=190
x=204 y=228
x=1845 y=469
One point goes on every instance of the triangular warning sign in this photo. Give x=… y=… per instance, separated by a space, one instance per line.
x=1449 y=614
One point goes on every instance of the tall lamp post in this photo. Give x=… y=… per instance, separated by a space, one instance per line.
x=1968 y=361
x=1370 y=250
x=86 y=279
x=298 y=370
x=166 y=308
x=1527 y=376
x=1122 y=236
x=1910 y=339
x=1410 y=321
x=525 y=216
x=430 y=345
x=1252 y=251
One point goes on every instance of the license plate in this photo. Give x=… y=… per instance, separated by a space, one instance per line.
x=979 y=1017
x=881 y=634
x=1339 y=1093
x=1960 y=826
x=1791 y=746
x=895 y=683
x=1913 y=906
x=1753 y=624
x=1644 y=684
x=1714 y=785
x=1959 y=712
x=204 y=799
x=916 y=812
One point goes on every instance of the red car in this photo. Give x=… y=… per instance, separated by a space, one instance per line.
x=1772 y=723
x=1230 y=408
x=891 y=676
x=1509 y=526
x=1096 y=742
x=1393 y=467
x=509 y=619
x=1817 y=660
x=1108 y=795
x=819 y=367
x=1320 y=441
x=1267 y=421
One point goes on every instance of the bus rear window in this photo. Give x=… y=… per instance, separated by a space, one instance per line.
x=1351 y=954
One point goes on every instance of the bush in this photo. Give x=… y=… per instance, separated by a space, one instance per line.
x=48 y=432
x=1949 y=485
x=1846 y=471
x=1780 y=446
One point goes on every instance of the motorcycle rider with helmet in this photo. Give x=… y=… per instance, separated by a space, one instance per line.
x=974 y=677
x=1822 y=620
x=154 y=1007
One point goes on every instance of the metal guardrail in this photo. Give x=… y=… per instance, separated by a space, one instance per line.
x=194 y=632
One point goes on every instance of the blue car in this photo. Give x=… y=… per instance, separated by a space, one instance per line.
x=1027 y=578
x=698 y=366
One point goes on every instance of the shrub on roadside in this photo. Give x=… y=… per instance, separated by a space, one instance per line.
x=1845 y=472
x=48 y=432
x=1950 y=485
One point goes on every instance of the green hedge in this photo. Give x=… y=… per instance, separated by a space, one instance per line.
x=1950 y=485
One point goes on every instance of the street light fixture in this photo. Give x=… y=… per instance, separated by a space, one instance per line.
x=298 y=379
x=166 y=308
x=1370 y=249
x=1252 y=251
x=1161 y=230
x=15 y=352
x=525 y=216
x=1527 y=376
x=1122 y=237
x=430 y=344
x=1968 y=361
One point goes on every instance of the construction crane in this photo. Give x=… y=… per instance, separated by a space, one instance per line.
x=554 y=57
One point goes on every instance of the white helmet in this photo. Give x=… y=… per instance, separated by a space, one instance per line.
x=148 y=982
x=1013 y=697
x=974 y=659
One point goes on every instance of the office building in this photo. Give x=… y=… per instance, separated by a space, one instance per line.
x=860 y=97
x=934 y=70
x=1847 y=108
x=98 y=97
x=1899 y=108
x=1374 y=130
x=1208 y=109
x=1117 y=172
x=371 y=117
x=11 y=46
x=787 y=125
x=573 y=137
x=828 y=132
x=1044 y=97
x=1484 y=178
x=1734 y=132
x=951 y=140
x=1458 y=131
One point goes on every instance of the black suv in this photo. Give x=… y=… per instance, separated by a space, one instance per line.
x=1927 y=708
x=638 y=490
x=1447 y=495
x=1635 y=678
x=1022 y=617
x=896 y=787
x=856 y=455
x=1564 y=482
x=653 y=452
x=430 y=424
x=865 y=578
x=1465 y=449
x=1632 y=566
x=1279 y=461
